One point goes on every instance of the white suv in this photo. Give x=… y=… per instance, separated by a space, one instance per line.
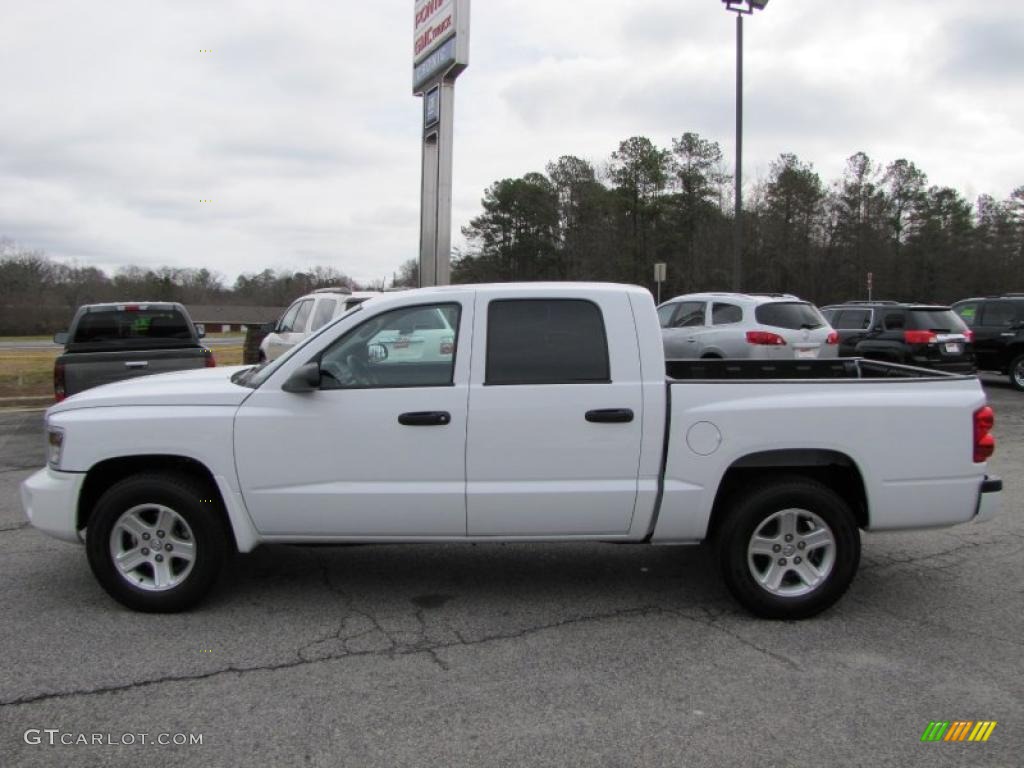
x=307 y=314
x=741 y=325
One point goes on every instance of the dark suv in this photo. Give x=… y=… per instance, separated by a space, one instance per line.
x=923 y=335
x=998 y=326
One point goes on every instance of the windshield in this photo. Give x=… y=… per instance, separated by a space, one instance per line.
x=255 y=376
x=792 y=315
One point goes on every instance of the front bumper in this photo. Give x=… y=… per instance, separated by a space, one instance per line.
x=50 y=501
x=990 y=499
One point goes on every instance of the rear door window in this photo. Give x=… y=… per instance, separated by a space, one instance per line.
x=895 y=321
x=792 y=315
x=726 y=314
x=999 y=314
x=324 y=312
x=546 y=341
x=851 y=319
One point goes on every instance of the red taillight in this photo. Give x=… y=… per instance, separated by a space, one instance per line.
x=920 y=337
x=766 y=338
x=447 y=347
x=211 y=361
x=59 y=388
x=833 y=338
x=984 y=442
x=969 y=335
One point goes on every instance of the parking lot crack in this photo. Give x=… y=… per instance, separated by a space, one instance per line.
x=392 y=651
x=714 y=622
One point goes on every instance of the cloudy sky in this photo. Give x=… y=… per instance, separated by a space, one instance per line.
x=301 y=129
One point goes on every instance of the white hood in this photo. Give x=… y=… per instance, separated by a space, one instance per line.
x=202 y=386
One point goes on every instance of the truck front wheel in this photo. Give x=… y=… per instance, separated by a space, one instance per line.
x=788 y=548
x=156 y=541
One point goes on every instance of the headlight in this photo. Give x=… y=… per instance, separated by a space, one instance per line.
x=54 y=446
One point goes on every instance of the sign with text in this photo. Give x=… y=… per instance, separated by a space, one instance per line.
x=435 y=64
x=440 y=40
x=434 y=23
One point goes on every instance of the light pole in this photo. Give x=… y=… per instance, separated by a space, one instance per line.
x=741 y=8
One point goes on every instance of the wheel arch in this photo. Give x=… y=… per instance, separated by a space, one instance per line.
x=832 y=468
x=106 y=473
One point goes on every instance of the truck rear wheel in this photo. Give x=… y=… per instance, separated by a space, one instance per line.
x=156 y=541
x=789 y=548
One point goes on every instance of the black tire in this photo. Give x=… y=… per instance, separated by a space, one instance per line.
x=197 y=504
x=753 y=510
x=1017 y=373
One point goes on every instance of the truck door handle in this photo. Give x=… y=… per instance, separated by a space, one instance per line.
x=425 y=418
x=610 y=416
x=137 y=364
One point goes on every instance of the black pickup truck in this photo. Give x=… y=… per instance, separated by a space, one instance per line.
x=115 y=341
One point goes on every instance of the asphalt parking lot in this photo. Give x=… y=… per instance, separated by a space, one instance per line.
x=552 y=655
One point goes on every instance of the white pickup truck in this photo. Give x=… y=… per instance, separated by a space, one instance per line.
x=548 y=417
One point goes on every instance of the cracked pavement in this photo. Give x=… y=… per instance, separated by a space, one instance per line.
x=578 y=654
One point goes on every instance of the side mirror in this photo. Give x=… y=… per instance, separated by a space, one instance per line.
x=60 y=337
x=200 y=330
x=305 y=378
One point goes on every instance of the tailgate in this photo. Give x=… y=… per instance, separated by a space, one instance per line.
x=83 y=370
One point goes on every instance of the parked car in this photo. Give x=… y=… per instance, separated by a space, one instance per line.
x=924 y=335
x=555 y=418
x=115 y=341
x=998 y=326
x=740 y=325
x=307 y=314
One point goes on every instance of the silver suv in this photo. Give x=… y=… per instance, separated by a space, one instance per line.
x=743 y=325
x=307 y=314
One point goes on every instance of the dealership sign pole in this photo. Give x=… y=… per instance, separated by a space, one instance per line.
x=440 y=53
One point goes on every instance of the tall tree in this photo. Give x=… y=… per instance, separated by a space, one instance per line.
x=582 y=219
x=791 y=228
x=698 y=178
x=516 y=236
x=640 y=173
x=857 y=210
